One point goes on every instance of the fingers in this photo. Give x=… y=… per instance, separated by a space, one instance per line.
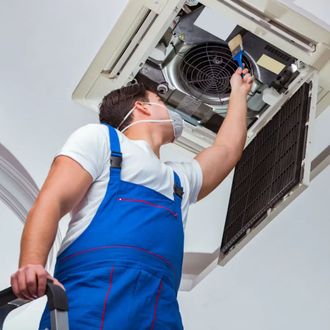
x=29 y=282
x=22 y=287
x=247 y=78
x=59 y=283
x=241 y=81
x=42 y=281
x=239 y=71
x=56 y=282
x=245 y=71
x=14 y=285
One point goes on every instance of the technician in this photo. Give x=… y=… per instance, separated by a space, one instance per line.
x=121 y=259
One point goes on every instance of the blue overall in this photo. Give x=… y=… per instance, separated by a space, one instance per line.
x=123 y=272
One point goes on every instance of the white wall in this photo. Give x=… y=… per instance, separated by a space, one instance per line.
x=278 y=281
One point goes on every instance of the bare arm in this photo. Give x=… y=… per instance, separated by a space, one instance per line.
x=66 y=184
x=218 y=160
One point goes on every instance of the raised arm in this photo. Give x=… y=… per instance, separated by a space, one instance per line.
x=218 y=160
x=66 y=184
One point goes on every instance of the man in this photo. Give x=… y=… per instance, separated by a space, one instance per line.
x=120 y=261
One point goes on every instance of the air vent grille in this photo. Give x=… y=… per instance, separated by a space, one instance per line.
x=271 y=165
x=278 y=53
x=143 y=21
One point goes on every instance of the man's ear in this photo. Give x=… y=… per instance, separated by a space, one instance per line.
x=141 y=108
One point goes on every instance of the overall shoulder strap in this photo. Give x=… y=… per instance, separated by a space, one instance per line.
x=177 y=189
x=115 y=152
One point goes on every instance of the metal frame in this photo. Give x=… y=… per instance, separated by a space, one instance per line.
x=128 y=45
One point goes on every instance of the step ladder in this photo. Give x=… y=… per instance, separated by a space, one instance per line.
x=56 y=300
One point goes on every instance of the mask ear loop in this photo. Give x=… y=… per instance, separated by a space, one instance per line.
x=147 y=121
x=128 y=113
x=143 y=121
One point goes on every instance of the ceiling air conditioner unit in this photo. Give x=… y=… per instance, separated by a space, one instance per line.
x=180 y=49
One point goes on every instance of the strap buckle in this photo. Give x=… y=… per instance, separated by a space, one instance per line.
x=116 y=159
x=178 y=190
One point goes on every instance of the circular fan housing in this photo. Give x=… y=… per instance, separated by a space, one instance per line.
x=205 y=71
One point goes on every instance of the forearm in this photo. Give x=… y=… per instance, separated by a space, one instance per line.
x=218 y=160
x=233 y=131
x=39 y=231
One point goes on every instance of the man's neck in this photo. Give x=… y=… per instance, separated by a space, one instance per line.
x=154 y=140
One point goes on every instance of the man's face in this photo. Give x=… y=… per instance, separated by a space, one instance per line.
x=158 y=111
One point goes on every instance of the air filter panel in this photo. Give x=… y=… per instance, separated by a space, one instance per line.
x=271 y=165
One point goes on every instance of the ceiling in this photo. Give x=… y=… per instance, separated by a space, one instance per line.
x=280 y=280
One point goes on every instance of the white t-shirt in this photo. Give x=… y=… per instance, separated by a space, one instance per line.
x=89 y=146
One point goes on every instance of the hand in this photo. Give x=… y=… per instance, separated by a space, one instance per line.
x=29 y=282
x=239 y=84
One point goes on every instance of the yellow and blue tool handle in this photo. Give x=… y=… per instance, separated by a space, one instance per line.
x=238 y=57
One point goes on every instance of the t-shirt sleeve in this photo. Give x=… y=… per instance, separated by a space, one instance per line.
x=191 y=177
x=87 y=146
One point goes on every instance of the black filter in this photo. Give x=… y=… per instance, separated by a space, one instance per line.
x=271 y=165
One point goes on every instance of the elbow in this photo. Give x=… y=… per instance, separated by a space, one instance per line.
x=234 y=154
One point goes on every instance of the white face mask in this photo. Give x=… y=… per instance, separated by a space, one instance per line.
x=175 y=119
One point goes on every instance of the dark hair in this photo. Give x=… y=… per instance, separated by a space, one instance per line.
x=119 y=102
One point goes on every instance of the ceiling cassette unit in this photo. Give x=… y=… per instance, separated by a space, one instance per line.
x=180 y=49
